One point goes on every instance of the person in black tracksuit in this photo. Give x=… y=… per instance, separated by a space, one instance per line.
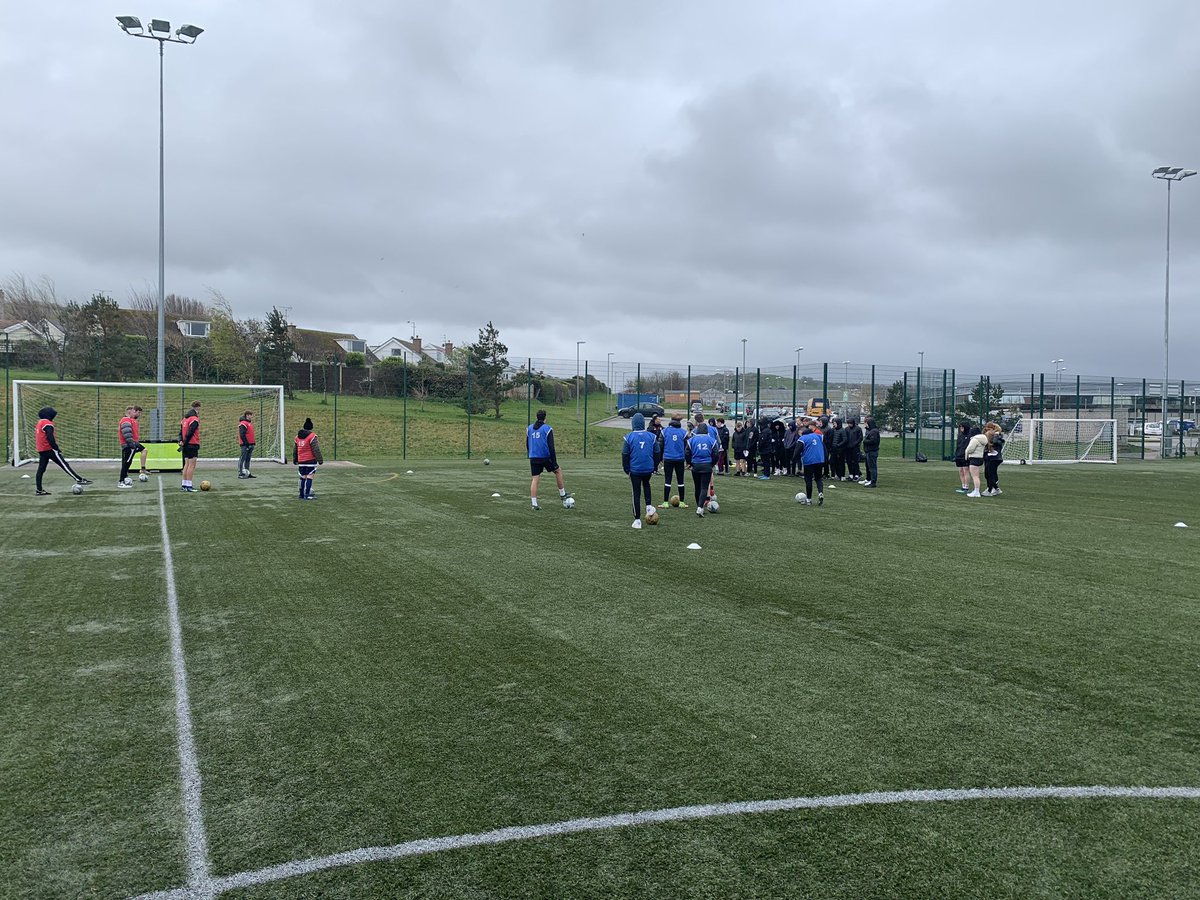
x=837 y=451
x=992 y=458
x=854 y=439
x=766 y=448
x=826 y=432
x=752 y=447
x=790 y=438
x=741 y=446
x=870 y=449
x=779 y=433
x=49 y=451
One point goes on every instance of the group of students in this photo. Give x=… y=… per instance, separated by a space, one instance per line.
x=979 y=449
x=306 y=452
x=699 y=447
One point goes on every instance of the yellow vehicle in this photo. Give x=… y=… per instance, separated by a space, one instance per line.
x=819 y=406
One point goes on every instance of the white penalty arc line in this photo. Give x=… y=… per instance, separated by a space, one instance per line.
x=200 y=882
x=428 y=846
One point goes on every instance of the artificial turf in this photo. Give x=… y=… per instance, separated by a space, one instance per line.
x=407 y=658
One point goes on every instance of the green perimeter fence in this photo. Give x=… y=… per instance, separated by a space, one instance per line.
x=427 y=411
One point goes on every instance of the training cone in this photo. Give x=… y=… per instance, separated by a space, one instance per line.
x=693 y=546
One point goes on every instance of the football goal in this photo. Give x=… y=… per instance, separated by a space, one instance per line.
x=1062 y=441
x=86 y=426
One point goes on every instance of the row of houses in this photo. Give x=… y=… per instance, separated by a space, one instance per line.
x=310 y=345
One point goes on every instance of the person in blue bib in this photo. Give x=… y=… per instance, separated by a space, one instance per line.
x=674 y=443
x=700 y=454
x=639 y=459
x=539 y=441
x=813 y=440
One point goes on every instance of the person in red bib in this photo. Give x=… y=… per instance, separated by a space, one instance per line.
x=306 y=455
x=189 y=445
x=246 y=443
x=127 y=433
x=48 y=451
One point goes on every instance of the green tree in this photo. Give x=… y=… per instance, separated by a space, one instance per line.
x=488 y=359
x=890 y=412
x=981 y=403
x=233 y=345
x=277 y=348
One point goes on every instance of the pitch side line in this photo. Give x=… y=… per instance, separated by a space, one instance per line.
x=200 y=882
x=428 y=846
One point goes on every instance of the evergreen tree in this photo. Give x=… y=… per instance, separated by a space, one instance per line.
x=276 y=349
x=488 y=361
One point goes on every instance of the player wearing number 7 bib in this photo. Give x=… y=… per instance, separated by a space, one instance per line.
x=639 y=458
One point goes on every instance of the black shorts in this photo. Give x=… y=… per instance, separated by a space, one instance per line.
x=975 y=461
x=538 y=466
x=960 y=461
x=307 y=470
x=191 y=451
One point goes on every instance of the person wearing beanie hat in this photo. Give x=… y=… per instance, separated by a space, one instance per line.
x=539 y=443
x=49 y=452
x=639 y=458
x=189 y=445
x=306 y=456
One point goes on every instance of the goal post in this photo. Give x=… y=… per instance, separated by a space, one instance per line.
x=89 y=412
x=1053 y=440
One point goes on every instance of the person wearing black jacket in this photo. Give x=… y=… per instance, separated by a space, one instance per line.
x=870 y=449
x=741 y=448
x=778 y=433
x=766 y=448
x=752 y=447
x=960 y=456
x=854 y=439
x=723 y=437
x=826 y=432
x=790 y=438
x=992 y=458
x=837 y=451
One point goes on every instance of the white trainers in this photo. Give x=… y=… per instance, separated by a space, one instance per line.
x=997 y=492
x=637 y=523
x=865 y=483
x=122 y=484
x=973 y=494
x=700 y=511
x=649 y=509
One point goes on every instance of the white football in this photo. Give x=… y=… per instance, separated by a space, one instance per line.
x=143 y=477
x=713 y=506
x=801 y=498
x=77 y=489
x=128 y=482
x=569 y=503
x=486 y=461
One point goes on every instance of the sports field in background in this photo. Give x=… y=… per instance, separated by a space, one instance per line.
x=409 y=658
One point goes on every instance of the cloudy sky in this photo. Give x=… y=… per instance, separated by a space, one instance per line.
x=863 y=179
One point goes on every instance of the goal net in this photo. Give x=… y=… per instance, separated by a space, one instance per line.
x=89 y=412
x=1062 y=441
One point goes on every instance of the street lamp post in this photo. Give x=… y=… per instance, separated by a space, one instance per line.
x=1168 y=174
x=578 y=344
x=160 y=30
x=413 y=333
x=1058 y=369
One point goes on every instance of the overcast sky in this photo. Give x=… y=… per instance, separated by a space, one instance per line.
x=863 y=179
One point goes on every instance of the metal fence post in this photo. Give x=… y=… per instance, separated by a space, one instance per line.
x=917 y=429
x=738 y=408
x=795 y=375
x=1077 y=401
x=1143 y=428
x=945 y=374
x=585 y=406
x=825 y=386
x=872 y=390
x=470 y=405
x=757 y=393
x=98 y=420
x=688 y=404
x=639 y=383
x=529 y=391
x=335 y=423
x=904 y=419
x=404 y=414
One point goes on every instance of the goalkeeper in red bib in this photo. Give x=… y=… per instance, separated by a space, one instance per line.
x=246 y=443
x=306 y=454
x=189 y=445
x=48 y=451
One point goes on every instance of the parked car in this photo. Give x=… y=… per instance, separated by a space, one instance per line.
x=935 y=420
x=1153 y=428
x=646 y=409
x=1188 y=425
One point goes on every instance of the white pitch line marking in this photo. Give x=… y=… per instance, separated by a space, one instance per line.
x=427 y=846
x=200 y=881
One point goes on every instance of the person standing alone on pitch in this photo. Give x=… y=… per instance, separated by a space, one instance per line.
x=870 y=449
x=306 y=456
x=246 y=443
x=127 y=432
x=813 y=440
x=189 y=445
x=539 y=442
x=700 y=452
x=48 y=450
x=639 y=459
x=673 y=453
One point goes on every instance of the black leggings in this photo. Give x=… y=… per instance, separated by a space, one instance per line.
x=811 y=472
x=641 y=487
x=244 y=461
x=852 y=463
x=700 y=480
x=45 y=457
x=127 y=456
x=991 y=471
x=673 y=474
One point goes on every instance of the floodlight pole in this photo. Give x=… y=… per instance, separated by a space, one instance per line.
x=1168 y=174
x=163 y=37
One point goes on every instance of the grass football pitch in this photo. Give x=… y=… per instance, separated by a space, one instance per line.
x=408 y=658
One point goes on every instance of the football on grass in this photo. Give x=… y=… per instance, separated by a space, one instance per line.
x=77 y=489
x=652 y=517
x=143 y=477
x=569 y=503
x=205 y=486
x=674 y=499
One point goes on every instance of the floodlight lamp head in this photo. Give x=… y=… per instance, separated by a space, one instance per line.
x=190 y=32
x=128 y=22
x=162 y=26
x=1172 y=173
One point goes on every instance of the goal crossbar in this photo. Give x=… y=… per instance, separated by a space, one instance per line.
x=89 y=413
